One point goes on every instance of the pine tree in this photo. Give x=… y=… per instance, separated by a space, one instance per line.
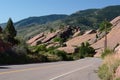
x=10 y=29
x=0 y=29
x=105 y=26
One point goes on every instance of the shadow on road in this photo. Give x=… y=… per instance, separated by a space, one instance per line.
x=4 y=67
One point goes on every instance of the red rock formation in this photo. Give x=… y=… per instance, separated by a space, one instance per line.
x=35 y=38
x=112 y=37
x=78 y=40
x=50 y=36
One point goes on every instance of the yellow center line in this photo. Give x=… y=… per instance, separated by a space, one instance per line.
x=34 y=68
x=28 y=69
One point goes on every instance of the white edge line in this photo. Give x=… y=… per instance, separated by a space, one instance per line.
x=70 y=72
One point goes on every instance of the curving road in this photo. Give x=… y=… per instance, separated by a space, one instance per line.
x=84 y=69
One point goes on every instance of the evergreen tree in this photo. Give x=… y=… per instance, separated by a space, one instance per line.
x=105 y=26
x=0 y=29
x=10 y=32
x=10 y=29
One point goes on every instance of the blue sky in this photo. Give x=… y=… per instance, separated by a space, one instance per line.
x=20 y=9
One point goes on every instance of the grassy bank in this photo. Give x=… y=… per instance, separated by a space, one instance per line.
x=108 y=69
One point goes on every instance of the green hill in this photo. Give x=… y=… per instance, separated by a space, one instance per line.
x=85 y=19
x=31 y=21
x=90 y=18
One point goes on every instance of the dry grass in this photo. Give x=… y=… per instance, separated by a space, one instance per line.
x=108 y=69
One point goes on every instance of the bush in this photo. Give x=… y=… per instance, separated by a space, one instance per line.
x=39 y=48
x=85 y=50
x=104 y=72
x=52 y=57
x=35 y=58
x=58 y=39
x=106 y=52
x=107 y=70
x=60 y=54
x=10 y=57
x=16 y=55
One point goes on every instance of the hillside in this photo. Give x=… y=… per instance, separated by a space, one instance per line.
x=90 y=18
x=85 y=19
x=31 y=21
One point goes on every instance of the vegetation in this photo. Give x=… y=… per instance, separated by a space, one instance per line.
x=106 y=52
x=110 y=64
x=58 y=39
x=105 y=25
x=85 y=19
x=85 y=50
x=10 y=29
x=51 y=52
x=20 y=52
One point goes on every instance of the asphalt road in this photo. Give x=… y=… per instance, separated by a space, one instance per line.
x=84 y=69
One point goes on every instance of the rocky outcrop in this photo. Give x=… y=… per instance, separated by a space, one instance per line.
x=76 y=34
x=35 y=38
x=73 y=43
x=50 y=36
x=66 y=32
x=63 y=33
x=38 y=41
x=90 y=32
x=78 y=40
x=112 y=37
x=115 y=21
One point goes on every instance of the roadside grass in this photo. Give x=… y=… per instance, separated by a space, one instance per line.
x=107 y=69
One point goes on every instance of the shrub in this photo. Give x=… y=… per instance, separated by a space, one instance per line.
x=106 y=52
x=85 y=50
x=35 y=58
x=39 y=48
x=60 y=54
x=9 y=57
x=16 y=55
x=58 y=39
x=104 y=72
x=52 y=57
x=110 y=64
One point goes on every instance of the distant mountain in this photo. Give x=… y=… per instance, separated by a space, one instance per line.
x=32 y=21
x=38 y=20
x=90 y=18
